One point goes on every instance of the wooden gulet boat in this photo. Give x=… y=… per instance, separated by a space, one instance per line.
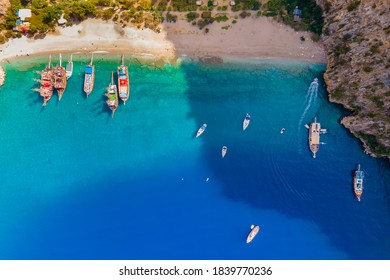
x=123 y=81
x=46 y=83
x=112 y=96
x=89 y=77
x=59 y=79
x=358 y=182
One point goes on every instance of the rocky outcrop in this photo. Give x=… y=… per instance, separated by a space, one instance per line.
x=356 y=39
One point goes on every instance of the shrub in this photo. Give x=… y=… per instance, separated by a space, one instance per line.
x=338 y=93
x=367 y=69
x=243 y=14
x=221 y=17
x=191 y=16
x=353 y=6
x=315 y=37
x=108 y=13
x=206 y=15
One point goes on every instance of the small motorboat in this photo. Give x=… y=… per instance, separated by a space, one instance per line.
x=246 y=122
x=201 y=130
x=282 y=130
x=254 y=231
x=224 y=150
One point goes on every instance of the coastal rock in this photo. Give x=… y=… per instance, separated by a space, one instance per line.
x=356 y=39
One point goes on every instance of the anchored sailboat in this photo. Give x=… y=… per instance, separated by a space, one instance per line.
x=59 y=79
x=314 y=136
x=89 y=77
x=69 y=68
x=358 y=182
x=112 y=96
x=123 y=81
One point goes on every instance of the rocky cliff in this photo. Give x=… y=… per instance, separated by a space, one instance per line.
x=356 y=39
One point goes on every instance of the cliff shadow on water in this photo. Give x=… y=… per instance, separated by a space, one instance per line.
x=268 y=170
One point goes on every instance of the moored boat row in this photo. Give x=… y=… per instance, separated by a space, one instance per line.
x=57 y=78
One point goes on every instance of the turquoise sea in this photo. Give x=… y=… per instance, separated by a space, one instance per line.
x=78 y=184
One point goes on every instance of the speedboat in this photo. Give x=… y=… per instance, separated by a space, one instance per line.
x=246 y=122
x=358 y=182
x=224 y=150
x=254 y=231
x=201 y=130
x=282 y=130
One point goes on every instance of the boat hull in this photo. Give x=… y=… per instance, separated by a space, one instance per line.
x=123 y=83
x=201 y=130
x=255 y=230
x=314 y=137
x=358 y=183
x=246 y=122
x=46 y=88
x=224 y=150
x=69 y=70
x=59 y=80
x=112 y=101
x=89 y=80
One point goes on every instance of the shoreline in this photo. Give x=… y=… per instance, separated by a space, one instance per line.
x=260 y=38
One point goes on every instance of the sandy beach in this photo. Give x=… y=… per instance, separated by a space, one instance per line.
x=251 y=37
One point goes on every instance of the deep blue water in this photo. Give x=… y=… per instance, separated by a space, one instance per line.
x=77 y=184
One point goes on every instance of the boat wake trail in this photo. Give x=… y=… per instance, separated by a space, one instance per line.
x=311 y=98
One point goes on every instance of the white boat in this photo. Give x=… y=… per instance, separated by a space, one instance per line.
x=282 y=130
x=246 y=122
x=314 y=137
x=254 y=231
x=69 y=68
x=89 y=77
x=201 y=130
x=224 y=150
